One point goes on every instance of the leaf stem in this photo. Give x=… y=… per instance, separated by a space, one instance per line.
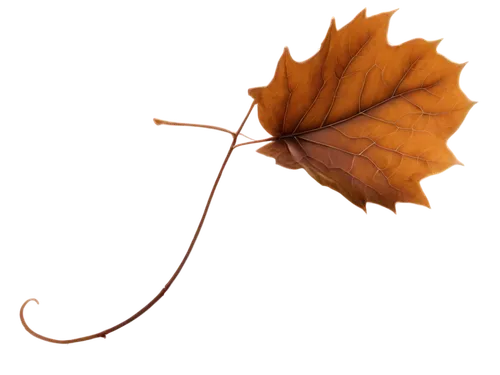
x=257 y=141
x=253 y=141
x=185 y=124
x=179 y=268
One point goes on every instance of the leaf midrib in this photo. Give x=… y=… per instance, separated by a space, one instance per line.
x=360 y=112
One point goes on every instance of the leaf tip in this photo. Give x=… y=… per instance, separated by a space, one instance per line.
x=422 y=202
x=394 y=11
x=363 y=11
x=286 y=51
x=255 y=93
x=436 y=43
x=332 y=22
x=464 y=65
x=364 y=208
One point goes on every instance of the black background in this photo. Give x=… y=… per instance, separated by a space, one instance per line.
x=282 y=264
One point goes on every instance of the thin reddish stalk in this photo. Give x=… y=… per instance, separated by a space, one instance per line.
x=257 y=141
x=184 y=124
x=174 y=276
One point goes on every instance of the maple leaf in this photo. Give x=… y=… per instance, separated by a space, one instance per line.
x=362 y=117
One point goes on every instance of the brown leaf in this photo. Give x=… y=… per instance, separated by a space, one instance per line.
x=362 y=117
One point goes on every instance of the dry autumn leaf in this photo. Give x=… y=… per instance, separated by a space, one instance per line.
x=362 y=117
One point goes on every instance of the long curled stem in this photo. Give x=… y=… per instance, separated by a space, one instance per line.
x=174 y=276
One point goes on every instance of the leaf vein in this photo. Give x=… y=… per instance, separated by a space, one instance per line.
x=342 y=76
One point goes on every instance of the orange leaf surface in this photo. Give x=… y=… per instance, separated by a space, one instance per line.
x=362 y=117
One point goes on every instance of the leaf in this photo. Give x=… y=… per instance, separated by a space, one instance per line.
x=362 y=117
